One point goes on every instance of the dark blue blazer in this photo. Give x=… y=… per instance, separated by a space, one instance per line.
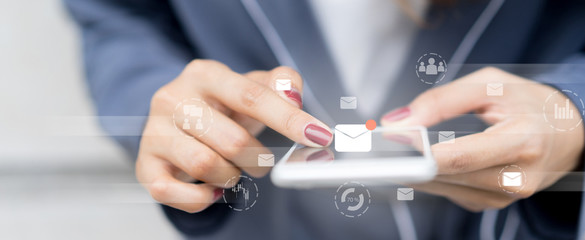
x=133 y=47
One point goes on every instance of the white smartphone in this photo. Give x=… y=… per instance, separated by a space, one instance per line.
x=384 y=156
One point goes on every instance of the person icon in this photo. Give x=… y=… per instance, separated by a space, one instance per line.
x=431 y=69
x=441 y=68
x=199 y=125
x=422 y=68
x=186 y=124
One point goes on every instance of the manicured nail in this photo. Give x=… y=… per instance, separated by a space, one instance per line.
x=318 y=134
x=321 y=155
x=217 y=193
x=398 y=114
x=294 y=95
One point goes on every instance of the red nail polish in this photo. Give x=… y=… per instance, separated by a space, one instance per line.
x=217 y=193
x=318 y=134
x=322 y=155
x=295 y=96
x=398 y=114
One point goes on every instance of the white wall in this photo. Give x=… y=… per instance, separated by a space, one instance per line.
x=41 y=79
x=53 y=184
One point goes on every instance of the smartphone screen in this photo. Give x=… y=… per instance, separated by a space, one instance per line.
x=353 y=144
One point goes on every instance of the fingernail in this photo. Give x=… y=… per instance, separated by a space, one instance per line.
x=322 y=155
x=217 y=193
x=294 y=95
x=397 y=114
x=318 y=134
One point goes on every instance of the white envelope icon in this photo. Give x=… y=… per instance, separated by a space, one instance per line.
x=348 y=102
x=512 y=179
x=495 y=89
x=405 y=194
x=352 y=138
x=446 y=136
x=283 y=85
x=265 y=160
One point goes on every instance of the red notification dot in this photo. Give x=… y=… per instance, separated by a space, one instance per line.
x=371 y=124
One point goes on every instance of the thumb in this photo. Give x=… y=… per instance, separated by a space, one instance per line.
x=442 y=103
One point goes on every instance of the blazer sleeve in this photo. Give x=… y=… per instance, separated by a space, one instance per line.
x=131 y=48
x=556 y=214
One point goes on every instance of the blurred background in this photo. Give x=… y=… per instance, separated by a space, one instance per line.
x=60 y=176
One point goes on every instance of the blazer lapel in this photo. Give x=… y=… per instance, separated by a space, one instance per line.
x=295 y=23
x=447 y=28
x=298 y=29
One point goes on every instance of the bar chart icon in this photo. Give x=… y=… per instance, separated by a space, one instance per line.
x=563 y=112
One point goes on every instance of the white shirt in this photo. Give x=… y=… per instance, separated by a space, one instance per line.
x=368 y=40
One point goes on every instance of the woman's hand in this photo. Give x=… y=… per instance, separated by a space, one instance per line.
x=518 y=135
x=241 y=106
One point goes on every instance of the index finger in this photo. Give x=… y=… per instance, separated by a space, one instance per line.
x=285 y=81
x=263 y=104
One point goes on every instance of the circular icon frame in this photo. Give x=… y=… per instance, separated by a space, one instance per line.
x=240 y=186
x=363 y=200
x=423 y=70
x=193 y=108
x=565 y=93
x=513 y=178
